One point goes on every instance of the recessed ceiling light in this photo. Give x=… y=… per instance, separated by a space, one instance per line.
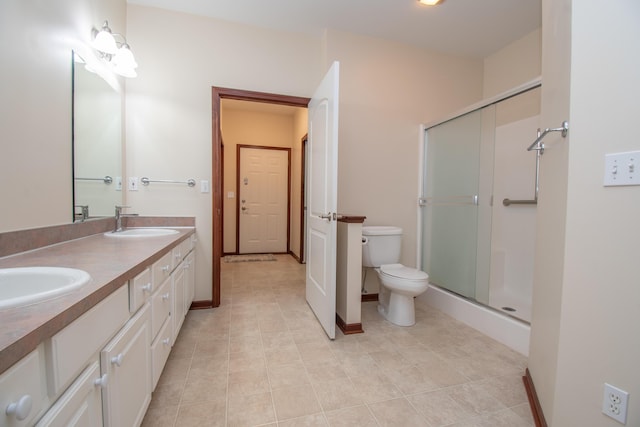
x=430 y=2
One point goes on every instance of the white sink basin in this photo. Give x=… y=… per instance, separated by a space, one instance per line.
x=142 y=232
x=28 y=285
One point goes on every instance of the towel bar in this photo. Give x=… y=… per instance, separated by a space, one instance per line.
x=189 y=182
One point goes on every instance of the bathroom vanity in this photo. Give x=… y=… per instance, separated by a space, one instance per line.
x=94 y=356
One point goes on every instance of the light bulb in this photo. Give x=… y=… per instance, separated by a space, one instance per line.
x=124 y=58
x=104 y=40
x=430 y=2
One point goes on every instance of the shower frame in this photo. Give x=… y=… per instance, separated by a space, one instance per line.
x=421 y=211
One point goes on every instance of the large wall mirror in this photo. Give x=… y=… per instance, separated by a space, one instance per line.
x=97 y=144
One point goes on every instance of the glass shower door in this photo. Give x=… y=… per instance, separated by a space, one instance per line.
x=450 y=203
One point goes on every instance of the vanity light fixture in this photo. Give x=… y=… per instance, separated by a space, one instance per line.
x=431 y=2
x=116 y=53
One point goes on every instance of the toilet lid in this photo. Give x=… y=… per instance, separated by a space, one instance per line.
x=399 y=270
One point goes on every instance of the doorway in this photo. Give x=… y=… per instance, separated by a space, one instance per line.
x=218 y=94
x=263 y=205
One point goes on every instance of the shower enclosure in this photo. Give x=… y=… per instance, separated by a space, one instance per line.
x=475 y=243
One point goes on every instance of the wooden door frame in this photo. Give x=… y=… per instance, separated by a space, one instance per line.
x=263 y=147
x=218 y=93
x=303 y=204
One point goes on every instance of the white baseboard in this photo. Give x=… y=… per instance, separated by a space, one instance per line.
x=504 y=329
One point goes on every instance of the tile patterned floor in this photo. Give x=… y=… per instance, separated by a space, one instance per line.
x=261 y=359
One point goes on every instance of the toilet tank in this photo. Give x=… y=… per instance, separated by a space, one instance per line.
x=381 y=245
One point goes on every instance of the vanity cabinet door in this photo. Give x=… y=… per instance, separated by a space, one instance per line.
x=177 y=279
x=81 y=404
x=23 y=394
x=190 y=281
x=160 y=307
x=127 y=362
x=160 y=350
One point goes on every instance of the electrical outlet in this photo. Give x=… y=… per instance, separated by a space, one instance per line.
x=614 y=403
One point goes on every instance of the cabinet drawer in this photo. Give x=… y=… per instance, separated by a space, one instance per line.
x=161 y=269
x=23 y=382
x=140 y=289
x=81 y=404
x=70 y=349
x=160 y=306
x=160 y=350
x=180 y=251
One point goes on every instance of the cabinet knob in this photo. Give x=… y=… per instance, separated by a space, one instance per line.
x=166 y=268
x=178 y=255
x=117 y=360
x=166 y=341
x=165 y=296
x=21 y=408
x=146 y=288
x=102 y=381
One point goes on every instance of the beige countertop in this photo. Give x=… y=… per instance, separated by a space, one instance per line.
x=110 y=262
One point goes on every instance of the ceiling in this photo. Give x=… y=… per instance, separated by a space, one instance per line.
x=471 y=28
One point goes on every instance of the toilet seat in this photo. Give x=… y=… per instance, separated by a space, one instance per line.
x=402 y=272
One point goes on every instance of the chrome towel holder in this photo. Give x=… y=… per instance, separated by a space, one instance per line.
x=189 y=182
x=107 y=179
x=539 y=147
x=538 y=142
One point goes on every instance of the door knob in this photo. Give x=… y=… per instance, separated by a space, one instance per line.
x=20 y=409
x=117 y=360
x=102 y=381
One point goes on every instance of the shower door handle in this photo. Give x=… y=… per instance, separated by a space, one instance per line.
x=449 y=201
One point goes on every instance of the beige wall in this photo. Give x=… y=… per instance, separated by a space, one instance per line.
x=240 y=127
x=386 y=91
x=586 y=310
x=35 y=119
x=552 y=203
x=513 y=65
x=180 y=58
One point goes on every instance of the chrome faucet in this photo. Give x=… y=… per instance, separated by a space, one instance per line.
x=84 y=214
x=119 y=218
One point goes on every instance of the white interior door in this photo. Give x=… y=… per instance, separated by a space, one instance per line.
x=322 y=190
x=264 y=200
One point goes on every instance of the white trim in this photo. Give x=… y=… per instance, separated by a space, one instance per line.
x=504 y=329
x=494 y=99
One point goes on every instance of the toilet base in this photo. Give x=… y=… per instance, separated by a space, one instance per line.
x=400 y=311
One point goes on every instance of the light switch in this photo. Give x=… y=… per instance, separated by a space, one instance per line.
x=231 y=195
x=204 y=186
x=118 y=183
x=622 y=169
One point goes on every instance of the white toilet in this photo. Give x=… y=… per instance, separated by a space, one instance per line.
x=400 y=284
